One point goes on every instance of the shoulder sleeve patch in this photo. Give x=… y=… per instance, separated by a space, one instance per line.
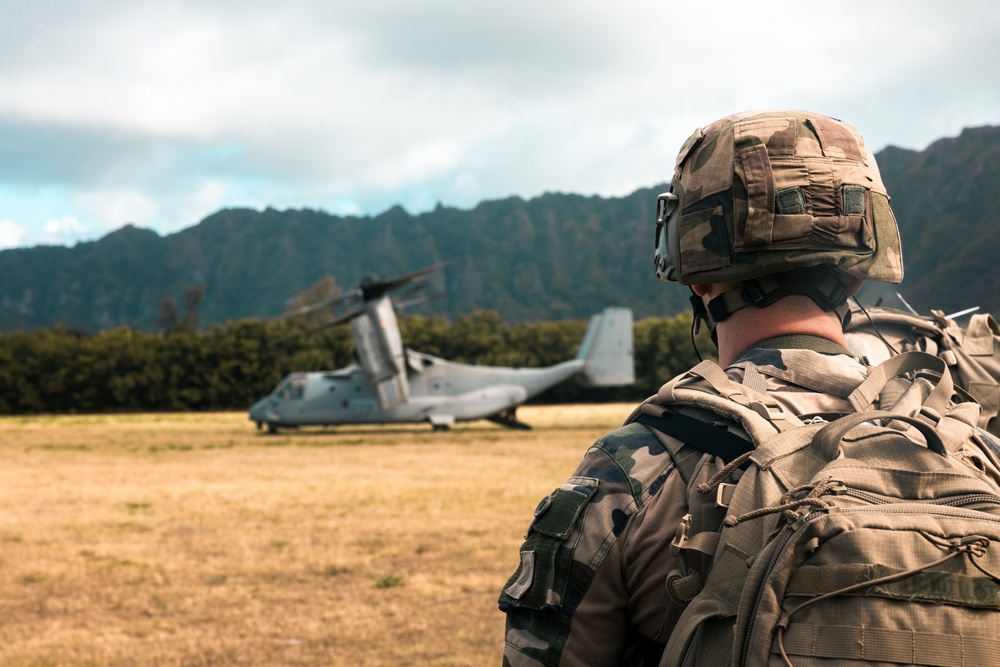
x=540 y=582
x=574 y=526
x=522 y=584
x=558 y=511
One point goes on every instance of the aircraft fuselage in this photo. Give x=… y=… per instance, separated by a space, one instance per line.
x=441 y=392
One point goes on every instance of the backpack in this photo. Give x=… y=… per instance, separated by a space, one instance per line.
x=972 y=353
x=871 y=539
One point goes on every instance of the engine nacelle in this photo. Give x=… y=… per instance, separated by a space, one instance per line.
x=380 y=352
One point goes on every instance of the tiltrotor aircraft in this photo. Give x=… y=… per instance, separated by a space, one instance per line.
x=392 y=383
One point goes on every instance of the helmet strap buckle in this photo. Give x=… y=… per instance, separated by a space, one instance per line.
x=753 y=292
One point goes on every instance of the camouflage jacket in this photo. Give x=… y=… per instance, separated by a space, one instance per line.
x=591 y=585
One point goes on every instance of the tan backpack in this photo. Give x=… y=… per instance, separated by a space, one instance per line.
x=972 y=353
x=873 y=539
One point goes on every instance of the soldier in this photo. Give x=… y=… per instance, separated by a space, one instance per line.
x=773 y=219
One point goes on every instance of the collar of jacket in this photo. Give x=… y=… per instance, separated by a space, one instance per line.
x=797 y=342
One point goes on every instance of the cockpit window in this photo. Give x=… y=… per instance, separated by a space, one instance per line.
x=291 y=390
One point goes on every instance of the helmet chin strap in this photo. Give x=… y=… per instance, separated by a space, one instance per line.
x=822 y=284
x=701 y=315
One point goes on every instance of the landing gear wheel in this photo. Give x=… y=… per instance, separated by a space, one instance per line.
x=509 y=419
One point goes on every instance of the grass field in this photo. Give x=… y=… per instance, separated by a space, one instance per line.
x=195 y=540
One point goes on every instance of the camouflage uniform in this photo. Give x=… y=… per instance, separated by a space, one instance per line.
x=591 y=589
x=768 y=205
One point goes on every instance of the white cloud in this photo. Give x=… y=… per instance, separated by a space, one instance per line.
x=11 y=234
x=65 y=226
x=189 y=208
x=159 y=113
x=111 y=209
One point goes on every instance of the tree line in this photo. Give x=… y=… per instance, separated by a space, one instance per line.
x=228 y=367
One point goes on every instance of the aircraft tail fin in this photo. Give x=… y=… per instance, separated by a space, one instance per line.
x=607 y=350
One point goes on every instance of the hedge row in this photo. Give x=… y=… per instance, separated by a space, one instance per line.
x=229 y=367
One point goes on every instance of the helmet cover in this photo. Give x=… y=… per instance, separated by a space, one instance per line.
x=760 y=193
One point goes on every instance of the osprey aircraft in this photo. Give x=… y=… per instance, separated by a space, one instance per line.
x=394 y=384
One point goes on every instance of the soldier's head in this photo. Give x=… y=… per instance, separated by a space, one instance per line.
x=772 y=204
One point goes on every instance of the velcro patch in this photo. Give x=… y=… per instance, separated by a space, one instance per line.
x=854 y=200
x=558 y=516
x=790 y=201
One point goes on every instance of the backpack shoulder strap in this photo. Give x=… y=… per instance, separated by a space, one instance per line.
x=707 y=387
x=698 y=434
x=868 y=391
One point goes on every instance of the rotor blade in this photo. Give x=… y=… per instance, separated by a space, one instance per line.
x=394 y=283
x=370 y=288
x=417 y=300
x=417 y=287
x=316 y=328
x=353 y=295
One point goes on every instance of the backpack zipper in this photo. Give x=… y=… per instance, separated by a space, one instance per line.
x=817 y=513
x=956 y=501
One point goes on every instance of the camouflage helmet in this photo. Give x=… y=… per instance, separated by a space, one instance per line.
x=762 y=193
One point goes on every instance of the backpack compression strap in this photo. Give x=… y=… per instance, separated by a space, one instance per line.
x=698 y=434
x=745 y=403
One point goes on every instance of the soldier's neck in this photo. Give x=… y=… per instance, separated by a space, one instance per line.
x=789 y=316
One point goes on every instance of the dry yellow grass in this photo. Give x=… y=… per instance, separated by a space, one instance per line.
x=194 y=540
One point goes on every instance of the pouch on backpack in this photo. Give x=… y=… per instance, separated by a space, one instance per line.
x=872 y=539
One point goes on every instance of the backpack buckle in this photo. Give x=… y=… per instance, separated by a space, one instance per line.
x=681 y=535
x=769 y=411
x=930 y=413
x=724 y=494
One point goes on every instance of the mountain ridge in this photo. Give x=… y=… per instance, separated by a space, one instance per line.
x=551 y=257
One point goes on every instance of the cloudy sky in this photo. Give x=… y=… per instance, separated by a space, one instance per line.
x=160 y=113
